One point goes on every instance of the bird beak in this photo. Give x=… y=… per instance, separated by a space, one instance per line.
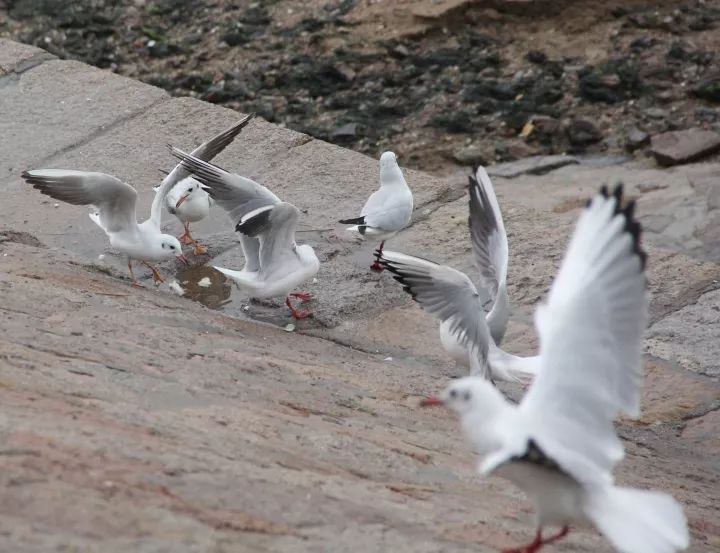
x=181 y=200
x=183 y=259
x=431 y=401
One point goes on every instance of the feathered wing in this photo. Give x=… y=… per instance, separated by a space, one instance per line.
x=388 y=208
x=591 y=331
x=490 y=249
x=205 y=152
x=448 y=295
x=235 y=194
x=114 y=200
x=274 y=226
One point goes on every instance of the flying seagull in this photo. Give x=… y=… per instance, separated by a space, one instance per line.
x=559 y=444
x=467 y=333
x=114 y=202
x=388 y=210
x=274 y=263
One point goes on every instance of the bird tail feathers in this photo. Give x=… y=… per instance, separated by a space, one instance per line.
x=509 y=367
x=639 y=521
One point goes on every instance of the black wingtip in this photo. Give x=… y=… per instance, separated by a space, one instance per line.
x=254 y=225
x=632 y=225
x=356 y=221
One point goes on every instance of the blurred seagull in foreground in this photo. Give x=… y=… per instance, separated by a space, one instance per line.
x=115 y=204
x=467 y=333
x=559 y=444
x=187 y=200
x=388 y=210
x=274 y=263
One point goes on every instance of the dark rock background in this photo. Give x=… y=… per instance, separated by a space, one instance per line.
x=440 y=83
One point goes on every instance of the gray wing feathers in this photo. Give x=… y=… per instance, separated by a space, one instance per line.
x=389 y=208
x=487 y=233
x=205 y=152
x=235 y=194
x=114 y=199
x=446 y=293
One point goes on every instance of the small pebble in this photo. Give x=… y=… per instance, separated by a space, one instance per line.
x=204 y=282
x=289 y=327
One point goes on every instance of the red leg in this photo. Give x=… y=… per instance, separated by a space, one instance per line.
x=539 y=542
x=302 y=296
x=376 y=266
x=295 y=313
x=157 y=277
x=186 y=238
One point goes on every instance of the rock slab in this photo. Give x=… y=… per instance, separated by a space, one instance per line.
x=676 y=147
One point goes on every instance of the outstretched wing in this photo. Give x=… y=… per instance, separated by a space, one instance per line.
x=487 y=233
x=490 y=249
x=591 y=331
x=235 y=194
x=445 y=293
x=206 y=151
x=274 y=226
x=114 y=200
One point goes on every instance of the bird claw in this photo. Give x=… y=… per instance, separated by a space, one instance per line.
x=539 y=542
x=200 y=250
x=136 y=284
x=304 y=297
x=186 y=239
x=294 y=312
x=377 y=267
x=301 y=314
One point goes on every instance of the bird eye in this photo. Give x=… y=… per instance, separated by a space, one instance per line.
x=172 y=247
x=164 y=245
x=190 y=189
x=453 y=393
x=467 y=396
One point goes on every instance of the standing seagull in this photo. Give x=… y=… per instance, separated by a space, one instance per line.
x=187 y=200
x=388 y=210
x=469 y=335
x=559 y=444
x=274 y=263
x=115 y=204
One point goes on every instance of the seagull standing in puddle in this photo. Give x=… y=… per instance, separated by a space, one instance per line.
x=187 y=199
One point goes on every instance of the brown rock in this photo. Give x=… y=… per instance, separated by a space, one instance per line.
x=673 y=148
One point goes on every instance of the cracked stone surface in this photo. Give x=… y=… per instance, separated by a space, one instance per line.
x=140 y=421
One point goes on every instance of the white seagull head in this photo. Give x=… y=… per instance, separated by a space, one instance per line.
x=472 y=394
x=167 y=247
x=186 y=190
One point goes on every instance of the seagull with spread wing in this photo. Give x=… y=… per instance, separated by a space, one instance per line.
x=467 y=333
x=114 y=202
x=559 y=444
x=187 y=199
x=388 y=210
x=274 y=263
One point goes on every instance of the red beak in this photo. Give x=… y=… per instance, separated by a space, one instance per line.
x=181 y=200
x=431 y=401
x=183 y=259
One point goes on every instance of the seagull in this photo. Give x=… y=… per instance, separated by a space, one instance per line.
x=274 y=263
x=467 y=333
x=115 y=202
x=188 y=200
x=388 y=210
x=559 y=444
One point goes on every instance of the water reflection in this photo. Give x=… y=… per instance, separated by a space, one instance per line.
x=205 y=285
